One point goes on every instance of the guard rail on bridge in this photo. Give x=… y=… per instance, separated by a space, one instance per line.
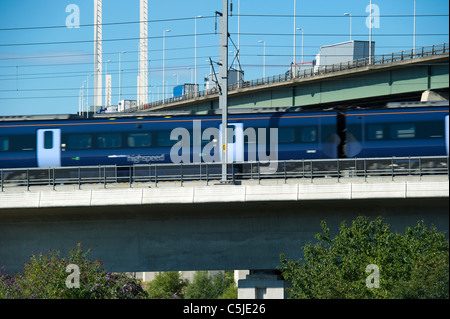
x=317 y=70
x=208 y=172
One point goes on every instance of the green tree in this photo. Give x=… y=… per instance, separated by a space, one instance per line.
x=411 y=265
x=45 y=276
x=205 y=286
x=167 y=285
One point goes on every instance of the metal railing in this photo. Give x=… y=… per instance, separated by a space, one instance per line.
x=311 y=72
x=308 y=170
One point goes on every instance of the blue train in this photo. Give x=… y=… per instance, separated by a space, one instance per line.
x=40 y=141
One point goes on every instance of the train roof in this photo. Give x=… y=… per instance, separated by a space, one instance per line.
x=231 y=111
x=147 y=114
x=417 y=104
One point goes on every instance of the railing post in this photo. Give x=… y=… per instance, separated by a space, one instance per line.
x=232 y=171
x=365 y=169
x=338 y=171
x=259 y=174
x=104 y=176
x=420 y=168
x=53 y=178
x=303 y=169
x=392 y=167
x=130 y=174
x=181 y=168
x=409 y=166
x=79 y=177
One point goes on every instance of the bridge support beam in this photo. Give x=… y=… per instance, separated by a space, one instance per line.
x=262 y=284
x=432 y=96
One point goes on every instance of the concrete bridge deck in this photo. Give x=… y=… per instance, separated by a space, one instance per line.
x=91 y=195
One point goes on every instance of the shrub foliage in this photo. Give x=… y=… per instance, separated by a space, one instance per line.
x=411 y=265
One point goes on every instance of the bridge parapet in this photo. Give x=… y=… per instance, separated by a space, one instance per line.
x=250 y=191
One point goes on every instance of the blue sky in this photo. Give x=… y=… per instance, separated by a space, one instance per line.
x=46 y=78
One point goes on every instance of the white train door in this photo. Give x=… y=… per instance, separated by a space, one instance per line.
x=48 y=148
x=235 y=142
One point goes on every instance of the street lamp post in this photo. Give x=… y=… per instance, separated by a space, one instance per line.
x=350 y=15
x=414 y=31
x=190 y=70
x=370 y=34
x=196 y=51
x=164 y=63
x=295 y=42
x=302 y=41
x=87 y=93
x=106 y=83
x=120 y=74
x=264 y=58
x=81 y=102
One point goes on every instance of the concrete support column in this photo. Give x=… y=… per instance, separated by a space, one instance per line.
x=262 y=284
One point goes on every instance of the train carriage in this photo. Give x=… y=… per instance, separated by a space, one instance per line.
x=67 y=141
x=397 y=132
x=144 y=140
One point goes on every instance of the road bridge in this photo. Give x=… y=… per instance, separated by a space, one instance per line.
x=390 y=77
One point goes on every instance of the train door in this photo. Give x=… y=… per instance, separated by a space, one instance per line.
x=48 y=148
x=235 y=142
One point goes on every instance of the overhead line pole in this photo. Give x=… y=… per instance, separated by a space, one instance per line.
x=223 y=84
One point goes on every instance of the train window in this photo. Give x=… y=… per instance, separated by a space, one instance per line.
x=109 y=140
x=48 y=140
x=17 y=143
x=4 y=143
x=430 y=129
x=163 y=139
x=139 y=139
x=309 y=134
x=403 y=130
x=375 y=132
x=79 y=141
x=286 y=135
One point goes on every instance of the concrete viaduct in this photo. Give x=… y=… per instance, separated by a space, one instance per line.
x=198 y=227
